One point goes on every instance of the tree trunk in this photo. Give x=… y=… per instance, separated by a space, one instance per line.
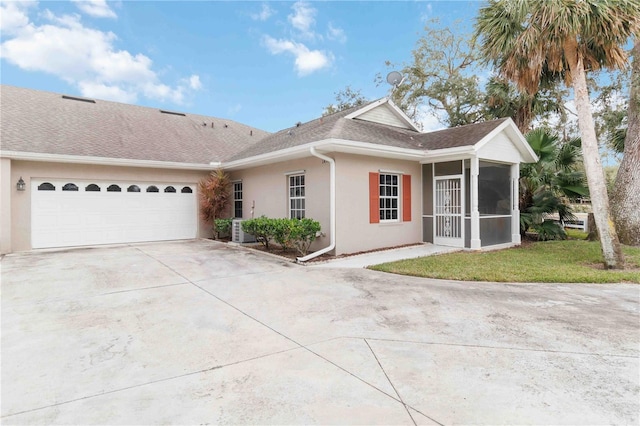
x=593 y=229
x=609 y=243
x=625 y=203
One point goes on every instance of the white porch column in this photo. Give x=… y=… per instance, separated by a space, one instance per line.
x=515 y=204
x=475 y=214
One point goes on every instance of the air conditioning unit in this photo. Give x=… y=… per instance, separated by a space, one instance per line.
x=238 y=235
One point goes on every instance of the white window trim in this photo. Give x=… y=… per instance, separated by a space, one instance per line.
x=398 y=198
x=238 y=199
x=290 y=210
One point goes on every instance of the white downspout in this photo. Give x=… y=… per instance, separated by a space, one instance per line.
x=332 y=207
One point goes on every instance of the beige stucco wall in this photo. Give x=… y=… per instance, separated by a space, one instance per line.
x=20 y=202
x=7 y=189
x=354 y=233
x=266 y=188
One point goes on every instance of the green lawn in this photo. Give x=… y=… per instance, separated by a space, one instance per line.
x=570 y=261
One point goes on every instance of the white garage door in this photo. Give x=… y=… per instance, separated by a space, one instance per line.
x=68 y=213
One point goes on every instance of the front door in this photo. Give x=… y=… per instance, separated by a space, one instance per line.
x=448 y=223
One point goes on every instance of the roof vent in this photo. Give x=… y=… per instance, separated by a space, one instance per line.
x=298 y=124
x=226 y=125
x=74 y=98
x=173 y=113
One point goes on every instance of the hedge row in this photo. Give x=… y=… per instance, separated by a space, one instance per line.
x=288 y=233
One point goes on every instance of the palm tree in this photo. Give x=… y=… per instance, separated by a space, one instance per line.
x=626 y=192
x=503 y=99
x=530 y=41
x=547 y=186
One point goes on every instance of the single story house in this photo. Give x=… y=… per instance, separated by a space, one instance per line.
x=77 y=171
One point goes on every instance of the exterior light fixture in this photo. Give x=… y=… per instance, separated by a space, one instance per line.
x=20 y=185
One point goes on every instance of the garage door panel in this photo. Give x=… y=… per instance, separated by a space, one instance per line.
x=75 y=218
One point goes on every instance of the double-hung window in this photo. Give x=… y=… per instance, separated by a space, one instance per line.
x=389 y=197
x=237 y=199
x=296 y=196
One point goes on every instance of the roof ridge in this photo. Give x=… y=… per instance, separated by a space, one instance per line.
x=466 y=125
x=331 y=116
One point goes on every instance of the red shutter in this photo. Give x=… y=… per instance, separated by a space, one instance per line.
x=374 y=198
x=406 y=198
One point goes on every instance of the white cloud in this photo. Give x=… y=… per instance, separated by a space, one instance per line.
x=335 y=33
x=88 y=59
x=194 y=82
x=102 y=91
x=303 y=18
x=13 y=16
x=430 y=119
x=95 y=8
x=265 y=13
x=306 y=60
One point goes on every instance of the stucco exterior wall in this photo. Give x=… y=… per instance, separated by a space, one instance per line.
x=266 y=188
x=7 y=189
x=354 y=233
x=20 y=202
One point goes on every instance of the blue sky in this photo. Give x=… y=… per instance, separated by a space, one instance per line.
x=266 y=64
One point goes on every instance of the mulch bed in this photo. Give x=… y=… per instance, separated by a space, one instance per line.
x=293 y=255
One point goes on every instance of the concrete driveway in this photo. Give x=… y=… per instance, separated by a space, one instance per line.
x=199 y=332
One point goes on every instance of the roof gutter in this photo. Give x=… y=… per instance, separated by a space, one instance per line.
x=332 y=206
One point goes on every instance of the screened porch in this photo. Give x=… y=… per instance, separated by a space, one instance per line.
x=470 y=203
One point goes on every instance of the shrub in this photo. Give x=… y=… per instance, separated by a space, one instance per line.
x=305 y=231
x=288 y=233
x=549 y=230
x=283 y=232
x=214 y=193
x=261 y=228
x=222 y=227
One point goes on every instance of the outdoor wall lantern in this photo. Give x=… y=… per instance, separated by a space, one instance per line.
x=20 y=185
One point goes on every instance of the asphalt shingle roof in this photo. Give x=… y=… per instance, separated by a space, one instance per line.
x=459 y=136
x=332 y=126
x=44 y=122
x=336 y=126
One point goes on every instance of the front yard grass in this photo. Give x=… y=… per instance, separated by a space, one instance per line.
x=570 y=261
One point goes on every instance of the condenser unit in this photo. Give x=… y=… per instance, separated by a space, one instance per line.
x=238 y=235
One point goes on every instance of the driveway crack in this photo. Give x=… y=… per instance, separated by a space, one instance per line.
x=406 y=407
x=305 y=347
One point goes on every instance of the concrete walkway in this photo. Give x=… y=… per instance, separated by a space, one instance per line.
x=384 y=256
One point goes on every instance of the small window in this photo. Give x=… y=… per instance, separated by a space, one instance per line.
x=389 y=197
x=114 y=188
x=92 y=188
x=237 y=199
x=133 y=188
x=70 y=187
x=152 y=188
x=296 y=197
x=169 y=189
x=46 y=186
x=186 y=190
